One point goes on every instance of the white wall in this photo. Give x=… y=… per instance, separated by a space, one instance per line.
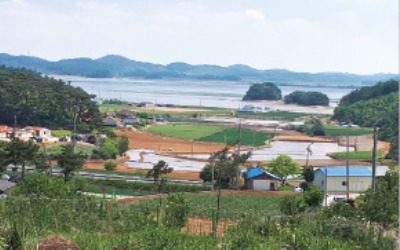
x=357 y=184
x=261 y=184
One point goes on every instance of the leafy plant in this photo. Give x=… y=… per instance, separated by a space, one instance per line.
x=110 y=165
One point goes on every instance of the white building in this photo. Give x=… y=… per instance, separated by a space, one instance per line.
x=333 y=179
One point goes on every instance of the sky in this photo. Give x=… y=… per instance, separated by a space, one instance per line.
x=353 y=36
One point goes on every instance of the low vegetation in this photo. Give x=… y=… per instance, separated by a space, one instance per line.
x=335 y=130
x=212 y=134
x=356 y=155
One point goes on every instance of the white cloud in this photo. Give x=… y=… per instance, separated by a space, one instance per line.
x=267 y=35
x=255 y=14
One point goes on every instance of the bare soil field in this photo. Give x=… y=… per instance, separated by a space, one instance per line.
x=139 y=139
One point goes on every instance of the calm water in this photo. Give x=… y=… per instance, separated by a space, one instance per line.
x=183 y=92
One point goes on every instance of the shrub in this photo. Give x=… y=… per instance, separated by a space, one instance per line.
x=110 y=165
x=285 y=188
x=177 y=210
x=313 y=196
x=292 y=204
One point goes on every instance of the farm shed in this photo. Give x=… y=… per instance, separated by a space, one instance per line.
x=259 y=179
x=360 y=178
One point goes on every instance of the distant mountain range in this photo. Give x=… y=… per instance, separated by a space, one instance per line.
x=117 y=66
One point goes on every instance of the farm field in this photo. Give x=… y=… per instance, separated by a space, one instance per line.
x=356 y=155
x=170 y=111
x=233 y=204
x=333 y=130
x=212 y=134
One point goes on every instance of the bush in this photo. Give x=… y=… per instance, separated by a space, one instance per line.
x=313 y=196
x=177 y=210
x=285 y=188
x=292 y=204
x=110 y=165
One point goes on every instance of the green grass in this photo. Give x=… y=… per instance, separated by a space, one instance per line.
x=231 y=206
x=98 y=189
x=356 y=155
x=334 y=130
x=212 y=134
x=108 y=172
x=57 y=149
x=202 y=110
x=60 y=133
x=185 y=131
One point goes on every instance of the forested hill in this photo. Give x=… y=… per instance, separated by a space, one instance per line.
x=43 y=101
x=374 y=106
x=118 y=66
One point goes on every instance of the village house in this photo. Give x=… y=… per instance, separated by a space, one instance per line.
x=261 y=180
x=126 y=114
x=38 y=131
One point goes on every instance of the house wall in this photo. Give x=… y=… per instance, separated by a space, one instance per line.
x=263 y=185
x=335 y=183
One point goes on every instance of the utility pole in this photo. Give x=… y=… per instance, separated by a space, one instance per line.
x=15 y=126
x=374 y=159
x=326 y=187
x=238 y=154
x=347 y=169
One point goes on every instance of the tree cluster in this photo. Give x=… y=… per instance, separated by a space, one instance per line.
x=263 y=91
x=374 y=106
x=42 y=101
x=307 y=98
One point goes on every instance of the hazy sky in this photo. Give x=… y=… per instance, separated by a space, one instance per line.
x=356 y=36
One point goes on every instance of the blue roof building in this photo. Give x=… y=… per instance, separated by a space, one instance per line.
x=259 y=179
x=334 y=179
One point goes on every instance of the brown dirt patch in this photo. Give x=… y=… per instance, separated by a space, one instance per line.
x=123 y=168
x=139 y=139
x=57 y=243
x=203 y=226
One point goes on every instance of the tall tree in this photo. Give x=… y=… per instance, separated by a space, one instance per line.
x=283 y=166
x=69 y=161
x=159 y=169
x=18 y=153
x=123 y=145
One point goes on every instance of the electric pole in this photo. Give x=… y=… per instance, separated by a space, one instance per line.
x=347 y=169
x=374 y=159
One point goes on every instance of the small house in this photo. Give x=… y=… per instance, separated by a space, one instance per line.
x=3 y=131
x=126 y=114
x=259 y=179
x=333 y=179
x=38 y=131
x=109 y=122
x=131 y=121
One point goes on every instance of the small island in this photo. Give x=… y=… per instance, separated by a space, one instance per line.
x=307 y=98
x=263 y=91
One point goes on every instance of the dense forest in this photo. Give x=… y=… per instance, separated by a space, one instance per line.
x=38 y=100
x=307 y=98
x=374 y=106
x=263 y=91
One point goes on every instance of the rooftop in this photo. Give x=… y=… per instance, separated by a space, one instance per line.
x=341 y=171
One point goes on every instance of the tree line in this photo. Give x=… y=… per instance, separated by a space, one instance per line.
x=374 y=106
x=33 y=99
x=269 y=91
